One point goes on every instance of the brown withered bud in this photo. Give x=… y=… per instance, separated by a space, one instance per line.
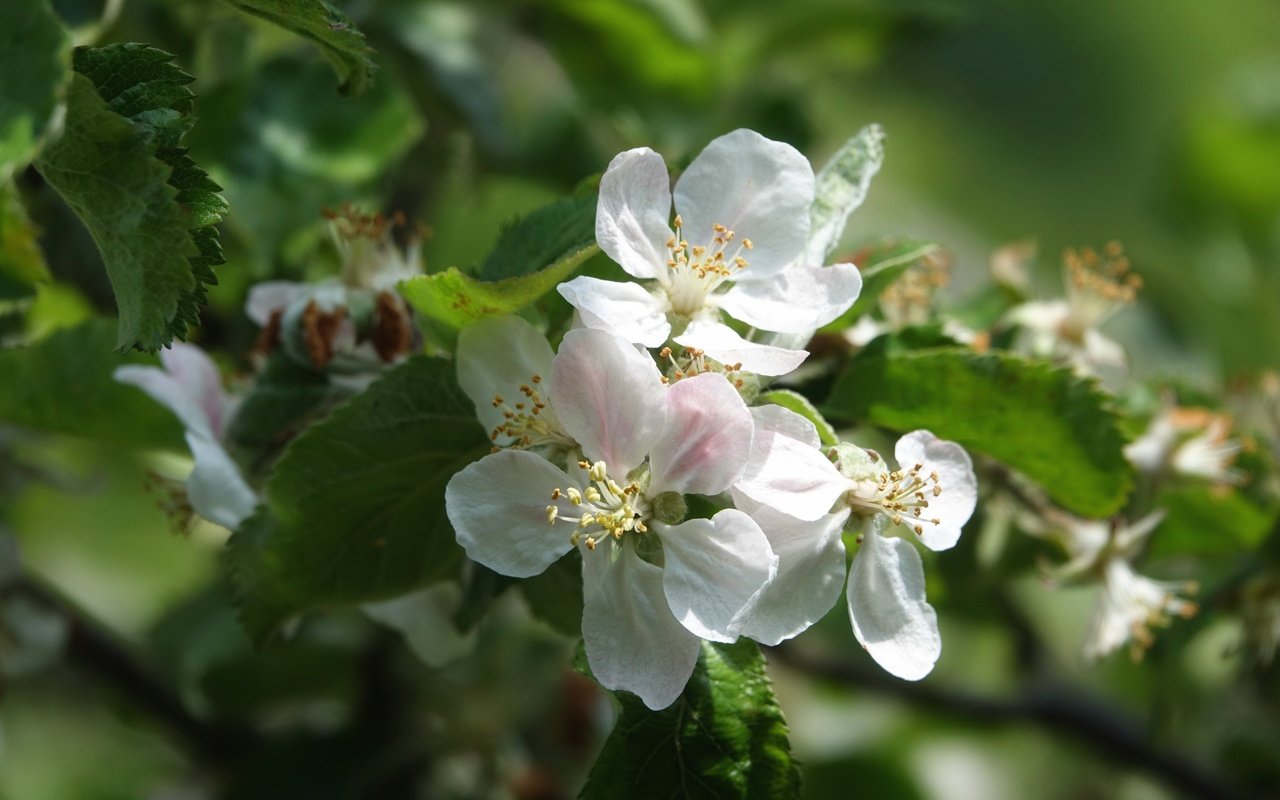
x=392 y=333
x=319 y=329
x=269 y=336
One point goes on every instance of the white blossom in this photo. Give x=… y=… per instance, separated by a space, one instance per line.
x=737 y=244
x=653 y=585
x=1189 y=442
x=802 y=501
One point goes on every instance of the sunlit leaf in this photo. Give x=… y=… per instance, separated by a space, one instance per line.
x=1057 y=429
x=840 y=188
x=34 y=52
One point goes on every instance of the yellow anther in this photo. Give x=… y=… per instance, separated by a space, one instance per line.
x=552 y=514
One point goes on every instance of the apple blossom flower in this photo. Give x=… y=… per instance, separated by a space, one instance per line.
x=802 y=501
x=502 y=366
x=352 y=325
x=190 y=387
x=737 y=244
x=1130 y=604
x=1190 y=442
x=1096 y=287
x=653 y=584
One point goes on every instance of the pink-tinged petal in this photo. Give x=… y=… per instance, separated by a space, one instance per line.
x=269 y=297
x=800 y=299
x=216 y=489
x=497 y=356
x=633 y=212
x=724 y=345
x=792 y=477
x=887 y=607
x=776 y=419
x=633 y=641
x=714 y=568
x=425 y=619
x=624 y=309
x=609 y=397
x=810 y=575
x=498 y=509
x=707 y=439
x=953 y=506
x=198 y=376
x=188 y=387
x=758 y=188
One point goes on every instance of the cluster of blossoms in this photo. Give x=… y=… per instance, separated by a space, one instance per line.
x=597 y=448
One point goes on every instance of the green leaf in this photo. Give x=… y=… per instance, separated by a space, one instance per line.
x=34 y=60
x=1202 y=521
x=555 y=595
x=1057 y=429
x=357 y=501
x=63 y=384
x=336 y=36
x=723 y=738
x=21 y=262
x=283 y=400
x=794 y=401
x=841 y=186
x=884 y=263
x=121 y=167
x=530 y=258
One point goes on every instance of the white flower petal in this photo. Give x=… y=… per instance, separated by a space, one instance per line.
x=800 y=299
x=498 y=509
x=810 y=575
x=1102 y=353
x=215 y=488
x=633 y=212
x=495 y=357
x=609 y=397
x=955 y=504
x=758 y=188
x=887 y=607
x=707 y=439
x=425 y=619
x=791 y=476
x=268 y=297
x=724 y=345
x=714 y=567
x=776 y=419
x=625 y=309
x=189 y=386
x=632 y=639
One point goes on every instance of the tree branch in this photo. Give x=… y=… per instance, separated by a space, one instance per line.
x=95 y=651
x=1058 y=708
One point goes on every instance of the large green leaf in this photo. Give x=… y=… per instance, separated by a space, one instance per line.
x=337 y=37
x=63 y=384
x=285 y=396
x=723 y=738
x=121 y=167
x=1054 y=427
x=33 y=59
x=356 y=504
x=530 y=258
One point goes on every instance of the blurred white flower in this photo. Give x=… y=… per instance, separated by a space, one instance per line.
x=1190 y=442
x=740 y=232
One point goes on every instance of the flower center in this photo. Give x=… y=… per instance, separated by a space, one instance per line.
x=902 y=494
x=530 y=422
x=607 y=508
x=1098 y=285
x=693 y=271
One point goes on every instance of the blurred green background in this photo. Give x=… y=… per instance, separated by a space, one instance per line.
x=1156 y=124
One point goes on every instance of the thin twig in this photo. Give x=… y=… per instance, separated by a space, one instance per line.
x=1058 y=708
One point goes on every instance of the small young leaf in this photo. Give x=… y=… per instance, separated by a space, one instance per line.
x=530 y=258
x=21 y=262
x=33 y=58
x=63 y=384
x=342 y=43
x=794 y=401
x=723 y=738
x=357 y=501
x=841 y=187
x=1057 y=429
